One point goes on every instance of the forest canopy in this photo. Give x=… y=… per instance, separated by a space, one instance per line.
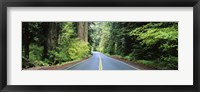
x=153 y=44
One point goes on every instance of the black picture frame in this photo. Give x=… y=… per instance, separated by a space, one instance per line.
x=98 y=3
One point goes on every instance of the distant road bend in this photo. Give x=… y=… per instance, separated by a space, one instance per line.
x=100 y=61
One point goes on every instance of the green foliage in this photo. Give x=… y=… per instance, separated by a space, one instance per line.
x=69 y=47
x=35 y=52
x=155 y=43
x=168 y=62
x=52 y=44
x=159 y=42
x=98 y=33
x=35 y=55
x=147 y=63
x=78 y=49
x=162 y=63
x=57 y=56
x=128 y=58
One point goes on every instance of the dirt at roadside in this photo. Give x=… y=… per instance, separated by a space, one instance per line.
x=56 y=67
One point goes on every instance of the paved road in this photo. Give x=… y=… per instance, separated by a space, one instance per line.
x=100 y=61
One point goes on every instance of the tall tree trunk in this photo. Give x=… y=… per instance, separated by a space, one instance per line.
x=26 y=39
x=86 y=32
x=52 y=36
x=45 y=26
x=58 y=32
x=83 y=31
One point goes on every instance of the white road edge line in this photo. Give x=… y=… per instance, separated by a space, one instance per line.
x=123 y=63
x=126 y=64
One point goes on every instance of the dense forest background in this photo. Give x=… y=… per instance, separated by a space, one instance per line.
x=153 y=44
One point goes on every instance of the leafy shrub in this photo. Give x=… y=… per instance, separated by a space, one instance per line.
x=127 y=58
x=35 y=52
x=171 y=62
x=163 y=63
x=75 y=50
x=39 y=63
x=147 y=63
x=107 y=54
x=35 y=55
x=157 y=42
x=130 y=57
x=78 y=49
x=57 y=56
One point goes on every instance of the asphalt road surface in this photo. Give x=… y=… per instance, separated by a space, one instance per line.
x=100 y=61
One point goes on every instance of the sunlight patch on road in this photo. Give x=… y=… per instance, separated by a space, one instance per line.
x=100 y=63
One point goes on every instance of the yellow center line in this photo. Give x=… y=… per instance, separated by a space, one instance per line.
x=100 y=63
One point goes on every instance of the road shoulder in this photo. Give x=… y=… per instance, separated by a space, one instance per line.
x=57 y=67
x=139 y=66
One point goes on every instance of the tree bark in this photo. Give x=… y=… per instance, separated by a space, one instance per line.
x=45 y=26
x=52 y=36
x=26 y=39
x=86 y=32
x=83 y=31
x=58 y=32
